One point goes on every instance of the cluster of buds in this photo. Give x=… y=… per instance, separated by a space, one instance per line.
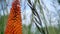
x=14 y=24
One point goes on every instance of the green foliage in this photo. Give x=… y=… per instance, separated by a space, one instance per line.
x=41 y=17
x=3 y=20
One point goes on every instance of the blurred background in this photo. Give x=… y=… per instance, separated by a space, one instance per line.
x=38 y=16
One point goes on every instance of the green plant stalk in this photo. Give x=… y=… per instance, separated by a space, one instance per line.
x=41 y=11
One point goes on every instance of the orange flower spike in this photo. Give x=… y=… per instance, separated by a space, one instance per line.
x=14 y=25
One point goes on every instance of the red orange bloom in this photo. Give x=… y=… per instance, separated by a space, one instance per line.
x=14 y=24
